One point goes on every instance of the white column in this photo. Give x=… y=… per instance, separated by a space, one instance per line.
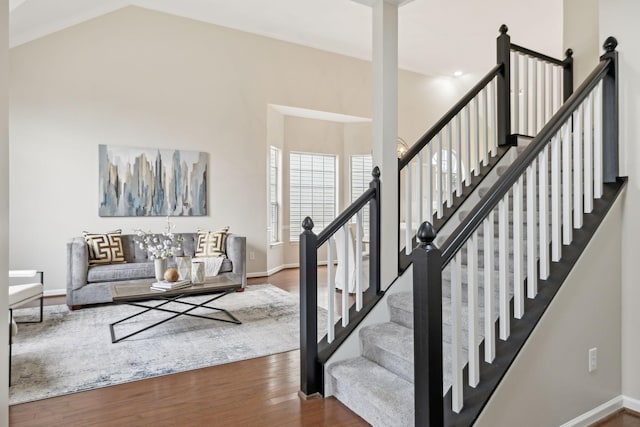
x=385 y=125
x=4 y=205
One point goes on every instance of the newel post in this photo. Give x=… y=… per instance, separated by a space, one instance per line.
x=310 y=372
x=504 y=87
x=567 y=75
x=374 y=234
x=610 y=112
x=427 y=329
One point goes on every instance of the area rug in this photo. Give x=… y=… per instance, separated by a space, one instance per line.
x=71 y=351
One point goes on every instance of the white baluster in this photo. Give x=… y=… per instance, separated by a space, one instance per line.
x=556 y=192
x=558 y=86
x=439 y=205
x=420 y=190
x=449 y=167
x=544 y=212
x=331 y=294
x=518 y=280
x=588 y=155
x=467 y=144
x=534 y=97
x=543 y=94
x=456 y=332
x=359 y=260
x=476 y=142
x=429 y=182
x=408 y=229
x=459 y=173
x=503 y=270
x=345 y=288
x=577 y=168
x=472 y=298
x=597 y=142
x=567 y=228
x=485 y=116
x=489 y=329
x=526 y=93
x=532 y=270
x=493 y=117
x=515 y=69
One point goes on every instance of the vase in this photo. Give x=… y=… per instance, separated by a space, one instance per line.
x=197 y=272
x=160 y=265
x=183 y=265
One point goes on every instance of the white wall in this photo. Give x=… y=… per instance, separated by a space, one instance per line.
x=580 y=33
x=4 y=202
x=141 y=78
x=549 y=383
x=619 y=18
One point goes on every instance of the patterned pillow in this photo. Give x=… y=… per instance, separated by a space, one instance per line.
x=104 y=248
x=212 y=243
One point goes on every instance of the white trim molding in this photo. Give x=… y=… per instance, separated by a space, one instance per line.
x=598 y=413
x=629 y=403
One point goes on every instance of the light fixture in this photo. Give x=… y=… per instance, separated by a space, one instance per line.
x=457 y=73
x=402 y=148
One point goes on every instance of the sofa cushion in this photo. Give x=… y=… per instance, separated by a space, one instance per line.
x=104 y=248
x=113 y=272
x=212 y=243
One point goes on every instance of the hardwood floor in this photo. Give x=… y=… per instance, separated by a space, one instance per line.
x=624 y=418
x=256 y=392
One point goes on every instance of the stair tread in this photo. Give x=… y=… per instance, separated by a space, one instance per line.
x=391 y=346
x=381 y=397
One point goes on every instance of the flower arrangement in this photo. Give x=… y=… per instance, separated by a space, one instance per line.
x=160 y=246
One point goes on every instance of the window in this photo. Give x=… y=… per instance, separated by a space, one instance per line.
x=275 y=162
x=312 y=191
x=361 y=167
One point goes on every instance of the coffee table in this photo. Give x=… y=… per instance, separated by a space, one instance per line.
x=141 y=295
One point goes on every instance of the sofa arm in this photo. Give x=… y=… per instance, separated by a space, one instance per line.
x=77 y=264
x=237 y=253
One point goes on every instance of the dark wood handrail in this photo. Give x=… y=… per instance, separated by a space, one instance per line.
x=440 y=124
x=345 y=216
x=464 y=231
x=537 y=55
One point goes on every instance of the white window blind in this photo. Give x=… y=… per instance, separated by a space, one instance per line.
x=361 y=167
x=312 y=191
x=274 y=194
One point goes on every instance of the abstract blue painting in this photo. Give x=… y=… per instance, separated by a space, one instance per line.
x=152 y=182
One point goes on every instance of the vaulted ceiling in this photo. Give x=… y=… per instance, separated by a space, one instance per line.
x=436 y=37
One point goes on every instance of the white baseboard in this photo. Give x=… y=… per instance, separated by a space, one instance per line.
x=279 y=268
x=597 y=413
x=630 y=403
x=55 y=292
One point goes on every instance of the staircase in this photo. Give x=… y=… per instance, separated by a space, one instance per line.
x=378 y=385
x=509 y=236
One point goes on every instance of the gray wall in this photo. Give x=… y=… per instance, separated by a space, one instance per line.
x=549 y=383
x=619 y=18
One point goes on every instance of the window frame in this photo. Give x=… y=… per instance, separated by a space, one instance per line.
x=274 y=196
x=329 y=213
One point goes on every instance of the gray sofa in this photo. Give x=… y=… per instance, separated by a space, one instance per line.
x=92 y=284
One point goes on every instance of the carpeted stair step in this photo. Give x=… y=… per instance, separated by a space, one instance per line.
x=390 y=345
x=379 y=396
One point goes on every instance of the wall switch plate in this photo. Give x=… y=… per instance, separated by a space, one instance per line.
x=593 y=359
x=252 y=256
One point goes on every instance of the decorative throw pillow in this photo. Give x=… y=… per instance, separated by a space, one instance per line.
x=104 y=248
x=212 y=243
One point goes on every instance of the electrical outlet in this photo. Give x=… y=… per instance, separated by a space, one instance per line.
x=593 y=359
x=252 y=256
